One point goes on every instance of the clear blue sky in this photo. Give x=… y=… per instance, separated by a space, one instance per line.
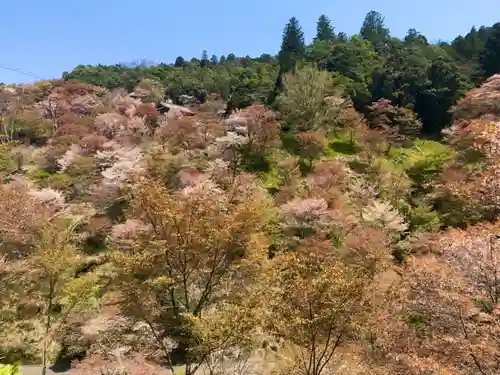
x=48 y=37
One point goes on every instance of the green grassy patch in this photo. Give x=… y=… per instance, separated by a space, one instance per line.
x=341 y=144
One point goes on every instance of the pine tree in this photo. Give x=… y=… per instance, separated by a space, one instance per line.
x=204 y=59
x=292 y=46
x=214 y=60
x=324 y=29
x=490 y=58
x=293 y=49
x=374 y=30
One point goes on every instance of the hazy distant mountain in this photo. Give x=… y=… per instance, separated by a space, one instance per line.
x=137 y=63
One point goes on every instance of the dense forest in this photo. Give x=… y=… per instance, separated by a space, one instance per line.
x=411 y=72
x=332 y=210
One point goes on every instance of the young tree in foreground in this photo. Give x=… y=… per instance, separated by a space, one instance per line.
x=53 y=267
x=44 y=273
x=188 y=276
x=311 y=146
x=447 y=315
x=321 y=297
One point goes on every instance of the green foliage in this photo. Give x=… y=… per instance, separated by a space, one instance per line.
x=416 y=38
x=292 y=45
x=9 y=369
x=39 y=176
x=58 y=181
x=83 y=167
x=374 y=30
x=303 y=103
x=354 y=61
x=341 y=143
x=28 y=127
x=490 y=57
x=188 y=78
x=484 y=305
x=249 y=87
x=7 y=160
x=423 y=161
x=417 y=321
x=421 y=217
x=324 y=29
x=446 y=84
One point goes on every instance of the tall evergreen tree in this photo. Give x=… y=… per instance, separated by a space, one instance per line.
x=483 y=33
x=292 y=45
x=374 y=30
x=204 y=59
x=490 y=58
x=293 y=49
x=324 y=29
x=472 y=45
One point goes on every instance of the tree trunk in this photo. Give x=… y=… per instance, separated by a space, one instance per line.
x=48 y=323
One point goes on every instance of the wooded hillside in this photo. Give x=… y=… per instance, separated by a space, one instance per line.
x=258 y=216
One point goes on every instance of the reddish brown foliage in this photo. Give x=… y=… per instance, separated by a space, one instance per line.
x=374 y=140
x=70 y=124
x=72 y=87
x=150 y=115
x=263 y=129
x=183 y=133
x=92 y=142
x=479 y=102
x=22 y=217
x=446 y=309
x=327 y=181
x=350 y=118
x=311 y=145
x=136 y=365
x=398 y=124
x=146 y=110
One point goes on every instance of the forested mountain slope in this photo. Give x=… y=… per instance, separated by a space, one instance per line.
x=322 y=233
x=411 y=72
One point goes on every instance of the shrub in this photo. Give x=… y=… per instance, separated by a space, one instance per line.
x=424 y=161
x=7 y=160
x=29 y=126
x=9 y=369
x=58 y=181
x=92 y=143
x=110 y=124
x=103 y=366
x=39 y=176
x=400 y=123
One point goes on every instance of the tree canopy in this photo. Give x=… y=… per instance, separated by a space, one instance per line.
x=425 y=77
